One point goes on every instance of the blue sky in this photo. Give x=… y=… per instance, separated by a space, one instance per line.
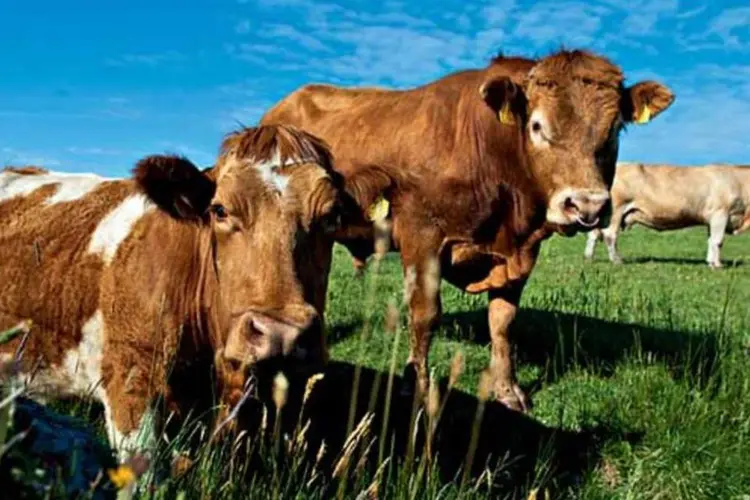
x=89 y=87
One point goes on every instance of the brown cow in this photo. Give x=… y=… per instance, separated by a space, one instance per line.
x=667 y=197
x=502 y=156
x=135 y=286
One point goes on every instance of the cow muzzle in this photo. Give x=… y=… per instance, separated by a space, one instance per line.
x=261 y=336
x=579 y=208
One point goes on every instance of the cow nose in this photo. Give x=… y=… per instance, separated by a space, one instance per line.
x=283 y=336
x=586 y=206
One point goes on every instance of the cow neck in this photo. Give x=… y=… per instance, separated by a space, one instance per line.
x=506 y=196
x=192 y=280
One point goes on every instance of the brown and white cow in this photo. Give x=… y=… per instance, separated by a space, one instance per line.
x=666 y=197
x=135 y=286
x=501 y=157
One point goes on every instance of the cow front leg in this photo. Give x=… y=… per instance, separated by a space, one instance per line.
x=592 y=238
x=422 y=289
x=610 y=239
x=717 y=228
x=503 y=305
x=133 y=418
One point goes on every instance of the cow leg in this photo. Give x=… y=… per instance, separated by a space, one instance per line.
x=609 y=233
x=717 y=228
x=610 y=239
x=592 y=238
x=423 y=295
x=132 y=416
x=503 y=305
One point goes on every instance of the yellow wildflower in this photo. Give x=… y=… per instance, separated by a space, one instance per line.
x=121 y=476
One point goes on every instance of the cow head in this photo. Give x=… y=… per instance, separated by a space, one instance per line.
x=570 y=108
x=267 y=211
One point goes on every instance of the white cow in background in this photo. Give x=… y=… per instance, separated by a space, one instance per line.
x=665 y=197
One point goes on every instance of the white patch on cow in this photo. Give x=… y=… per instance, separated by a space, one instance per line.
x=83 y=365
x=269 y=171
x=717 y=227
x=70 y=187
x=591 y=240
x=609 y=235
x=539 y=129
x=117 y=224
x=139 y=440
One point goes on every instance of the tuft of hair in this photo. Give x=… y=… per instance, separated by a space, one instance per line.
x=175 y=184
x=512 y=61
x=26 y=170
x=277 y=142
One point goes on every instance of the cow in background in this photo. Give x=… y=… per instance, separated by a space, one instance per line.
x=665 y=197
x=171 y=285
x=501 y=158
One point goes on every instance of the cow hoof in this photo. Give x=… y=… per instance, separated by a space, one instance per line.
x=515 y=399
x=715 y=265
x=617 y=261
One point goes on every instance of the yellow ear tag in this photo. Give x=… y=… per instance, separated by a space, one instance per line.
x=505 y=116
x=378 y=210
x=645 y=115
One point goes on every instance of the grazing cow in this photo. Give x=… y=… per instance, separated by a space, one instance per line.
x=498 y=159
x=665 y=197
x=150 y=288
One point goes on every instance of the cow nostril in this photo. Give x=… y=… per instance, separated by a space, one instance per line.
x=570 y=204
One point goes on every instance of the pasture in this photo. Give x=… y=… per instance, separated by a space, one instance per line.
x=657 y=347
x=640 y=369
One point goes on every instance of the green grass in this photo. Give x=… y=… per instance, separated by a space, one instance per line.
x=658 y=346
x=649 y=358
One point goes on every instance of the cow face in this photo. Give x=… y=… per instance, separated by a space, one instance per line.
x=269 y=207
x=570 y=110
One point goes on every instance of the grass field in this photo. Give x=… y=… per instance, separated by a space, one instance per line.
x=642 y=367
x=657 y=347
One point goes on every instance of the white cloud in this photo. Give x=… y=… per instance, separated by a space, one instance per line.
x=729 y=30
x=691 y=13
x=552 y=22
x=94 y=151
x=732 y=26
x=290 y=33
x=151 y=59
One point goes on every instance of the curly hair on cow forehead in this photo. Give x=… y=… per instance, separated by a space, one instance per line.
x=282 y=144
x=574 y=65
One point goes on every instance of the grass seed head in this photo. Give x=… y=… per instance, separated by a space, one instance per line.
x=433 y=399
x=485 y=385
x=280 y=390
x=457 y=368
x=391 y=317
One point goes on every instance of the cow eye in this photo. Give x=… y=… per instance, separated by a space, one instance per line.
x=219 y=211
x=331 y=221
x=536 y=127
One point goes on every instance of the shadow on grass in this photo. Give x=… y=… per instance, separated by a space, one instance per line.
x=680 y=260
x=560 y=340
x=338 y=332
x=515 y=445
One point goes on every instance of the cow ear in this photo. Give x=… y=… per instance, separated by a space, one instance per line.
x=645 y=100
x=175 y=185
x=367 y=193
x=505 y=98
